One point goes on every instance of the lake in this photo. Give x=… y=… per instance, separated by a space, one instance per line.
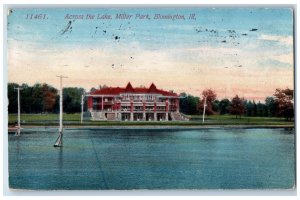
x=103 y=159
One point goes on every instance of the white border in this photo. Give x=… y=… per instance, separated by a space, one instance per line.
x=227 y=194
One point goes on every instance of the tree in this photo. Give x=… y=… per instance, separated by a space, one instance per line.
x=37 y=96
x=72 y=99
x=42 y=98
x=260 y=109
x=224 y=106
x=271 y=106
x=210 y=96
x=188 y=104
x=215 y=105
x=237 y=106
x=12 y=97
x=93 y=90
x=31 y=98
x=285 y=105
x=26 y=99
x=254 y=109
x=36 y=99
x=49 y=97
x=249 y=109
x=103 y=86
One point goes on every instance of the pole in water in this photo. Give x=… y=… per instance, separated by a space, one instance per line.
x=19 y=113
x=58 y=142
x=204 y=107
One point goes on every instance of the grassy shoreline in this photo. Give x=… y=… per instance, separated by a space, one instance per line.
x=161 y=127
x=73 y=120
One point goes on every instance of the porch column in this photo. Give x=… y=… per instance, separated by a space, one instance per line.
x=131 y=109
x=102 y=106
x=155 y=114
x=119 y=111
x=177 y=105
x=144 y=110
x=167 y=109
x=90 y=104
x=98 y=105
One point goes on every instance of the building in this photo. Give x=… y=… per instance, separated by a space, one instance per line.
x=134 y=104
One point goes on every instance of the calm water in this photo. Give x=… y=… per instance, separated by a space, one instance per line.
x=153 y=159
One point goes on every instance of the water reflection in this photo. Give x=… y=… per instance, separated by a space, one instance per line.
x=18 y=153
x=60 y=159
x=60 y=163
x=154 y=159
x=288 y=130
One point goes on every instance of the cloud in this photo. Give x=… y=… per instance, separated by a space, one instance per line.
x=285 y=58
x=188 y=70
x=285 y=40
x=213 y=50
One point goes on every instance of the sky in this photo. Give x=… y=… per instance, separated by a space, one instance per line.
x=234 y=51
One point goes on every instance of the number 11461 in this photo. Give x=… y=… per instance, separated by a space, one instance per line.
x=36 y=16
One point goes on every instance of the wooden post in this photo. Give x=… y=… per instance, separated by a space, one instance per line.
x=19 y=112
x=81 y=119
x=204 y=106
x=58 y=142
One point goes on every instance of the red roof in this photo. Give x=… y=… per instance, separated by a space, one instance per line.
x=129 y=89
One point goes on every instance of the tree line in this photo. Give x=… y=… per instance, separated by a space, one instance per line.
x=281 y=104
x=43 y=98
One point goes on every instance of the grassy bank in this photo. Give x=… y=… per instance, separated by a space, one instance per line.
x=230 y=119
x=196 y=120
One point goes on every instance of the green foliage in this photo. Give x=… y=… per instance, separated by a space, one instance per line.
x=41 y=98
x=224 y=106
x=72 y=99
x=270 y=106
x=285 y=103
x=37 y=96
x=237 y=106
x=249 y=109
x=260 y=109
x=74 y=119
x=31 y=98
x=188 y=104
x=215 y=105
x=210 y=96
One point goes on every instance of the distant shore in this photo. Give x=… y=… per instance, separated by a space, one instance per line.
x=12 y=129
x=72 y=121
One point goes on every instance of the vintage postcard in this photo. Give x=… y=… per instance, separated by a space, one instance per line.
x=159 y=98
